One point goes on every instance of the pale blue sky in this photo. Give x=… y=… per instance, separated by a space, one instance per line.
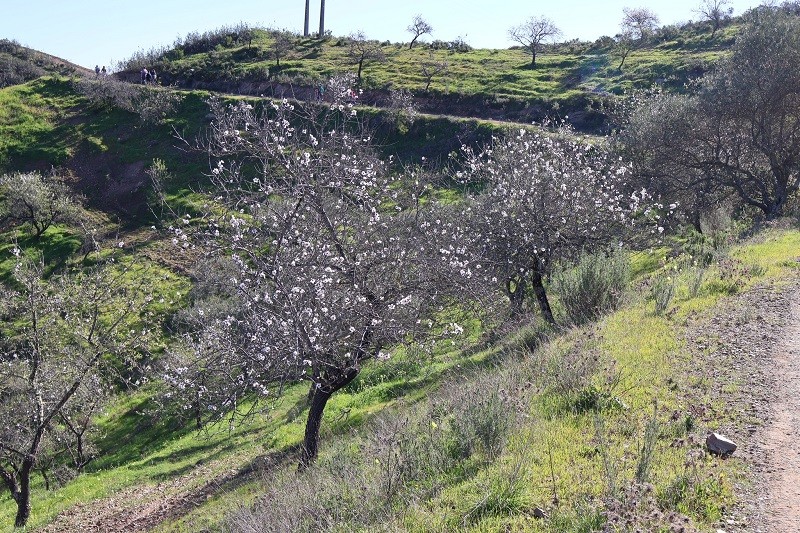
x=90 y=32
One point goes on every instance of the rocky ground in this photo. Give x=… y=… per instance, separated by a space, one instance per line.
x=750 y=348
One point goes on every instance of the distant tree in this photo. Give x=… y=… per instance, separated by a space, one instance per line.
x=715 y=12
x=431 y=68
x=305 y=25
x=639 y=23
x=361 y=50
x=740 y=130
x=624 y=44
x=418 y=28
x=542 y=198
x=330 y=255
x=38 y=200
x=281 y=45
x=533 y=33
x=59 y=338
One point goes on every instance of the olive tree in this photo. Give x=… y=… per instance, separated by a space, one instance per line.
x=59 y=338
x=330 y=258
x=740 y=129
x=533 y=33
x=36 y=199
x=541 y=198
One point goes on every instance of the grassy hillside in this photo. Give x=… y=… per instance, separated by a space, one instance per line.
x=574 y=420
x=569 y=78
x=507 y=427
x=19 y=64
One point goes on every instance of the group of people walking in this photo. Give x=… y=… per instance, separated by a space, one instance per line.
x=99 y=71
x=148 y=76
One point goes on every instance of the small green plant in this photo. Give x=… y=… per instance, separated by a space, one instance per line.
x=696 y=277
x=594 y=286
x=647 y=448
x=661 y=292
x=481 y=419
x=594 y=399
x=504 y=495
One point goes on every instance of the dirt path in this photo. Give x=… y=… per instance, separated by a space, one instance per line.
x=781 y=442
x=749 y=348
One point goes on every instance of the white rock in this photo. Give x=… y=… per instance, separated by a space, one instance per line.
x=720 y=444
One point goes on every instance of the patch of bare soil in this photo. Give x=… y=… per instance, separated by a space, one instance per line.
x=781 y=442
x=144 y=507
x=750 y=351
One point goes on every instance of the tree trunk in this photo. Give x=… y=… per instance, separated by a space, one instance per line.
x=308 y=453
x=516 y=297
x=360 y=67
x=533 y=57
x=322 y=19
x=23 y=494
x=541 y=297
x=305 y=26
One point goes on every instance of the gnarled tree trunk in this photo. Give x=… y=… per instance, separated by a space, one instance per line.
x=319 y=398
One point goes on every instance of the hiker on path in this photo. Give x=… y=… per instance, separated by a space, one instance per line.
x=145 y=75
x=96 y=70
x=103 y=71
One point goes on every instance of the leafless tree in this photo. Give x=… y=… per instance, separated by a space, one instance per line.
x=715 y=12
x=431 y=68
x=66 y=333
x=639 y=22
x=637 y=25
x=281 y=45
x=418 y=28
x=533 y=33
x=362 y=50
x=330 y=258
x=321 y=19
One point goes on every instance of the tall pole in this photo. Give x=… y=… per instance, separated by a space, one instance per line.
x=305 y=27
x=322 y=19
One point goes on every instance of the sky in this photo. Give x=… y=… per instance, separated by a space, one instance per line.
x=103 y=32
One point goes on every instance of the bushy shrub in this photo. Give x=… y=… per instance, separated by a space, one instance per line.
x=152 y=104
x=595 y=285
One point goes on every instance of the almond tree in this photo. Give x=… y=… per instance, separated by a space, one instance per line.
x=59 y=339
x=330 y=257
x=418 y=28
x=361 y=50
x=715 y=12
x=533 y=33
x=542 y=198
